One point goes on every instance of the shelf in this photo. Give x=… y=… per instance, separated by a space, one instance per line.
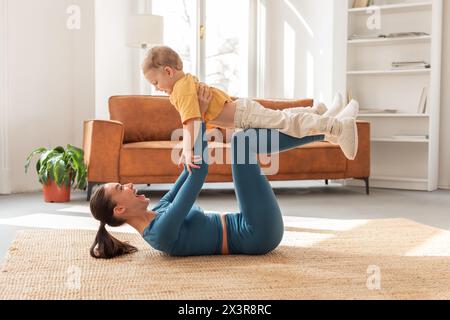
x=392 y=115
x=388 y=72
x=385 y=41
x=393 y=8
x=400 y=140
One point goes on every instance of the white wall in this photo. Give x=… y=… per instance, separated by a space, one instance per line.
x=83 y=46
x=49 y=78
x=340 y=17
x=55 y=78
x=117 y=66
x=5 y=185
x=299 y=52
x=444 y=167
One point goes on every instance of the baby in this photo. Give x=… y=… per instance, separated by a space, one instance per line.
x=163 y=68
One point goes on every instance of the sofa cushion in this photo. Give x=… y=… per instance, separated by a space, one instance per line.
x=317 y=157
x=284 y=104
x=144 y=118
x=161 y=158
x=155 y=158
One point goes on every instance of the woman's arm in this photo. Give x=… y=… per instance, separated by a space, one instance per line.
x=190 y=127
x=169 y=196
x=204 y=98
x=190 y=131
x=170 y=222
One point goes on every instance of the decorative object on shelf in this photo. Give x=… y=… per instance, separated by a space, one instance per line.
x=388 y=36
x=422 y=108
x=362 y=3
x=59 y=170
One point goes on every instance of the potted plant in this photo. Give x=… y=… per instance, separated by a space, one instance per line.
x=59 y=170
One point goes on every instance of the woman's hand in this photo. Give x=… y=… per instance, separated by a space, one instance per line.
x=204 y=97
x=189 y=160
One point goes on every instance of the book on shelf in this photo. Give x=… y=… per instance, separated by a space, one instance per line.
x=411 y=67
x=408 y=65
x=410 y=137
x=377 y=111
x=388 y=36
x=366 y=36
x=407 y=34
x=400 y=63
x=422 y=107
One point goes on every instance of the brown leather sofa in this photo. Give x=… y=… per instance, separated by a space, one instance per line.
x=135 y=146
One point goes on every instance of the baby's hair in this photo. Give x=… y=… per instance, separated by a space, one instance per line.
x=162 y=56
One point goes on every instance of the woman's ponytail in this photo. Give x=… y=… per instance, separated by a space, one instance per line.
x=105 y=245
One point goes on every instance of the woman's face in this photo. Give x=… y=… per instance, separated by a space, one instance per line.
x=128 y=202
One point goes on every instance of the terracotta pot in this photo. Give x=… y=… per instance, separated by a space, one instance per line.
x=53 y=193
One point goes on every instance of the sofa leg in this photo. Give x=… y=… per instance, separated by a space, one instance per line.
x=326 y=181
x=366 y=181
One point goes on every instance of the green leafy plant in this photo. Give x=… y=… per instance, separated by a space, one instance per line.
x=64 y=166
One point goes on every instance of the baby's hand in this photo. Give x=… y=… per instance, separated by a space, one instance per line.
x=204 y=97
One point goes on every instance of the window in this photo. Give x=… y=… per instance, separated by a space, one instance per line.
x=180 y=28
x=226 y=45
x=221 y=59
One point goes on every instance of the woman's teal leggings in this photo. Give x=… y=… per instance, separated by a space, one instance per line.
x=182 y=228
x=258 y=228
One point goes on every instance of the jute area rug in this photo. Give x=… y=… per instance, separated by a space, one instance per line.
x=378 y=259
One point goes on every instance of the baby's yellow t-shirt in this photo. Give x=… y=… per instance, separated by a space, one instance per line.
x=185 y=99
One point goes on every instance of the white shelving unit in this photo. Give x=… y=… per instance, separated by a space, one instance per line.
x=403 y=163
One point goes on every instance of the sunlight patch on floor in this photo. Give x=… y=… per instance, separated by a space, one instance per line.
x=52 y=221
x=77 y=209
x=437 y=246
x=323 y=224
x=303 y=239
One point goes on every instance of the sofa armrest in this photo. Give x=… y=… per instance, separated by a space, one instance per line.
x=102 y=142
x=360 y=167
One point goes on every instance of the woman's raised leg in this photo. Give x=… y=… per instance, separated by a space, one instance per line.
x=259 y=208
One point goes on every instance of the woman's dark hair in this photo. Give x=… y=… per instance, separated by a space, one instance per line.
x=105 y=245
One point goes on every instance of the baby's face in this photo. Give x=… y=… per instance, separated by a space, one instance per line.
x=161 y=78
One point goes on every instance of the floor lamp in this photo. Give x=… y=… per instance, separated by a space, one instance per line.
x=143 y=32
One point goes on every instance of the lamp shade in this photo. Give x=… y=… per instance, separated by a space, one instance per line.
x=144 y=30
